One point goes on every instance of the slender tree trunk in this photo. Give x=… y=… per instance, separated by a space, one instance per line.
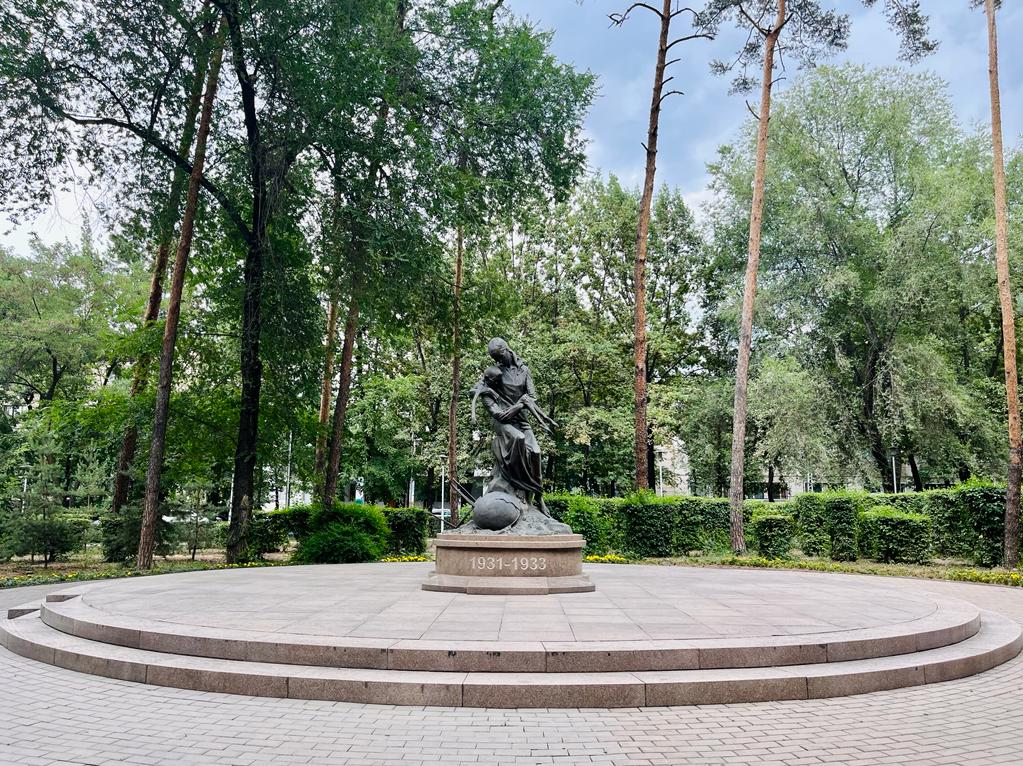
x=169 y=218
x=1012 y=488
x=641 y=434
x=243 y=499
x=266 y=176
x=454 y=500
x=430 y=495
x=770 y=483
x=337 y=430
x=914 y=470
x=151 y=508
x=328 y=385
x=736 y=493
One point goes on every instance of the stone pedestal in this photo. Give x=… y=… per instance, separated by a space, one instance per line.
x=509 y=564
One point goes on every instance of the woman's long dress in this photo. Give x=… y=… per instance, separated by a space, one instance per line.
x=516 y=451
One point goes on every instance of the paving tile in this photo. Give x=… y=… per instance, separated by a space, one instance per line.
x=83 y=719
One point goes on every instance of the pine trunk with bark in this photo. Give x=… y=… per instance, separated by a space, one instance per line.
x=736 y=493
x=1012 y=488
x=641 y=438
x=168 y=224
x=151 y=507
x=326 y=390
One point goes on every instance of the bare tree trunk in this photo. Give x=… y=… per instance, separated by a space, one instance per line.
x=328 y=385
x=736 y=493
x=341 y=407
x=456 y=382
x=641 y=435
x=140 y=375
x=151 y=508
x=1012 y=487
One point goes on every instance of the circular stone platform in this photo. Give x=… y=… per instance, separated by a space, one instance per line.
x=648 y=635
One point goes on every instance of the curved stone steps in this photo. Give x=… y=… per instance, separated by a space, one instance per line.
x=998 y=640
x=952 y=622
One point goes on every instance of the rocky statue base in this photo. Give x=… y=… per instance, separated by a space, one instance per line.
x=509 y=564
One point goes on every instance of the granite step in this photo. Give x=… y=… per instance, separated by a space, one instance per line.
x=998 y=640
x=952 y=622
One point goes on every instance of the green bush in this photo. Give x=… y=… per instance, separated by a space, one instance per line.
x=120 y=535
x=841 y=510
x=50 y=538
x=753 y=510
x=984 y=504
x=907 y=502
x=343 y=534
x=773 y=534
x=584 y=516
x=889 y=535
x=812 y=525
x=409 y=528
x=712 y=514
x=952 y=533
x=300 y=520
x=557 y=505
x=268 y=533
x=649 y=524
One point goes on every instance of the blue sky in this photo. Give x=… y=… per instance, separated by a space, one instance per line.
x=693 y=125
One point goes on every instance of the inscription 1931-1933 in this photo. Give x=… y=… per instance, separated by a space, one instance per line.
x=510 y=563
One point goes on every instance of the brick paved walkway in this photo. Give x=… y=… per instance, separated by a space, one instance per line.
x=54 y=716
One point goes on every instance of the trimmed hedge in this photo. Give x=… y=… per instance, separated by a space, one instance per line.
x=966 y=522
x=345 y=533
x=409 y=528
x=406 y=529
x=889 y=535
x=773 y=534
x=650 y=525
x=643 y=524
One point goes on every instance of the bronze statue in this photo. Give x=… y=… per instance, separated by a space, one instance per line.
x=513 y=500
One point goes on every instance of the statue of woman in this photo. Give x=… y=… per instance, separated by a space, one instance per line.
x=508 y=393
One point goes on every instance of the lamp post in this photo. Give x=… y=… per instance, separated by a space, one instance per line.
x=894 y=454
x=659 y=452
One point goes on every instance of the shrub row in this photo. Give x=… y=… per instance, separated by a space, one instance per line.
x=344 y=533
x=964 y=522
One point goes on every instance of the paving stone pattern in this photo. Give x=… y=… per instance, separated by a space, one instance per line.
x=53 y=716
x=636 y=603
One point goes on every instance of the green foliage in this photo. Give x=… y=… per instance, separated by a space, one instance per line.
x=344 y=534
x=984 y=504
x=49 y=538
x=889 y=535
x=772 y=534
x=952 y=531
x=120 y=535
x=812 y=525
x=842 y=510
x=268 y=533
x=300 y=520
x=649 y=523
x=408 y=530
